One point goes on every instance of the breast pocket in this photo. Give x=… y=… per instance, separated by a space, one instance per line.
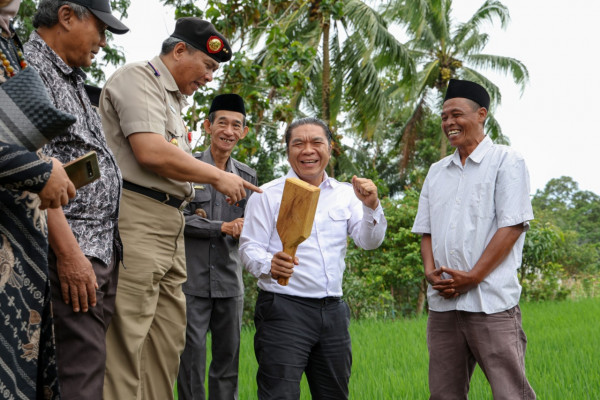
x=201 y=203
x=177 y=132
x=482 y=200
x=336 y=227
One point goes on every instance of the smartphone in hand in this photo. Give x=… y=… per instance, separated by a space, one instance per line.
x=83 y=170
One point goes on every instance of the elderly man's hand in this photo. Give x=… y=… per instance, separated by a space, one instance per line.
x=233 y=228
x=282 y=265
x=366 y=191
x=77 y=280
x=440 y=284
x=460 y=283
x=233 y=186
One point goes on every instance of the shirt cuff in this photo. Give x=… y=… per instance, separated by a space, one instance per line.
x=265 y=269
x=372 y=216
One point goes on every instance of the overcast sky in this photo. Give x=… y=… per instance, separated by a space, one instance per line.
x=553 y=124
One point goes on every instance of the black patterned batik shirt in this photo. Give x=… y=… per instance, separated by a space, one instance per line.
x=93 y=213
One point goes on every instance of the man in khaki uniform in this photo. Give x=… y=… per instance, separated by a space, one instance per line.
x=141 y=110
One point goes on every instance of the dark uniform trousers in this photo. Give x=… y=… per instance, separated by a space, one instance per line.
x=296 y=335
x=81 y=336
x=223 y=317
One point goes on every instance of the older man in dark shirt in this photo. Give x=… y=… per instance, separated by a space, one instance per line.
x=83 y=236
x=214 y=290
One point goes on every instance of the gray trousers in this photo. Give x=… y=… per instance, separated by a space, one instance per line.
x=81 y=336
x=457 y=340
x=223 y=317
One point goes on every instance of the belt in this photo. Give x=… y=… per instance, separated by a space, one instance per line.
x=162 y=197
x=310 y=301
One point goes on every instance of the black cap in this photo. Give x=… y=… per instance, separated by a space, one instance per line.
x=203 y=36
x=229 y=102
x=468 y=90
x=101 y=9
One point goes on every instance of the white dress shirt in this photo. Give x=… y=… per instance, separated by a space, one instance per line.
x=462 y=207
x=321 y=256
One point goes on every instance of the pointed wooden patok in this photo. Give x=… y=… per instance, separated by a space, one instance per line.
x=296 y=215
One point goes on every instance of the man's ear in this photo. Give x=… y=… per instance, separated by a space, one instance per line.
x=482 y=112
x=206 y=125
x=244 y=132
x=178 y=50
x=65 y=17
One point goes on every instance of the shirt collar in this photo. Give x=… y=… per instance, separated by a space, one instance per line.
x=54 y=58
x=167 y=79
x=327 y=182
x=229 y=167
x=481 y=150
x=476 y=156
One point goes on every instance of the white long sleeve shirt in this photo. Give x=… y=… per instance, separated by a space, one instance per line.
x=321 y=257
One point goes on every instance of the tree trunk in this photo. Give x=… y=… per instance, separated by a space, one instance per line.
x=326 y=86
x=443 y=147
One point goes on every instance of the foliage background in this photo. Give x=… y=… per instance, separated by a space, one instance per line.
x=340 y=60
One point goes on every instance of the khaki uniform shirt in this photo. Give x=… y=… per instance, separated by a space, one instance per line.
x=144 y=97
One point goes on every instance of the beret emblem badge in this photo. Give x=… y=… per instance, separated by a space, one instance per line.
x=214 y=44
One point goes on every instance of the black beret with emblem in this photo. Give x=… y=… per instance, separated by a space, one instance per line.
x=468 y=90
x=229 y=102
x=203 y=36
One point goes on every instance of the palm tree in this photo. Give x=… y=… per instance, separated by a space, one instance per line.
x=445 y=50
x=353 y=40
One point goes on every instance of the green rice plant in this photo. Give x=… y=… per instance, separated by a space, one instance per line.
x=390 y=359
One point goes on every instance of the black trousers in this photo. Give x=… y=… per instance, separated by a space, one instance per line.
x=81 y=336
x=296 y=335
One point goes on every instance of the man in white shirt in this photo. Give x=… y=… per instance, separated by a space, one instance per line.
x=473 y=212
x=303 y=327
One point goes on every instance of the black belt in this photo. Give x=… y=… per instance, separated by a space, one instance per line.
x=310 y=301
x=164 y=198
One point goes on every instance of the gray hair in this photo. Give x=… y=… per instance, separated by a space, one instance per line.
x=306 y=121
x=169 y=44
x=47 y=12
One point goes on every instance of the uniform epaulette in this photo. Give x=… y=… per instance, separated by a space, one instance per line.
x=241 y=166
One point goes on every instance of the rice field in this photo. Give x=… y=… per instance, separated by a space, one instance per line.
x=390 y=357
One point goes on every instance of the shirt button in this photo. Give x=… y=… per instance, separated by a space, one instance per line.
x=217 y=204
x=458 y=201
x=212 y=267
x=212 y=245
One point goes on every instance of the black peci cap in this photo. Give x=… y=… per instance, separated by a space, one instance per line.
x=203 y=36
x=101 y=9
x=229 y=102
x=468 y=90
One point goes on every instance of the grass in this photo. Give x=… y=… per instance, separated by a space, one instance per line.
x=390 y=357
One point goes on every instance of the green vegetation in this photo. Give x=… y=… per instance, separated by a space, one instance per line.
x=390 y=357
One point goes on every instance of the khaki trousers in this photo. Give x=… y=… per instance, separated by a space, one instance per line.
x=147 y=333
